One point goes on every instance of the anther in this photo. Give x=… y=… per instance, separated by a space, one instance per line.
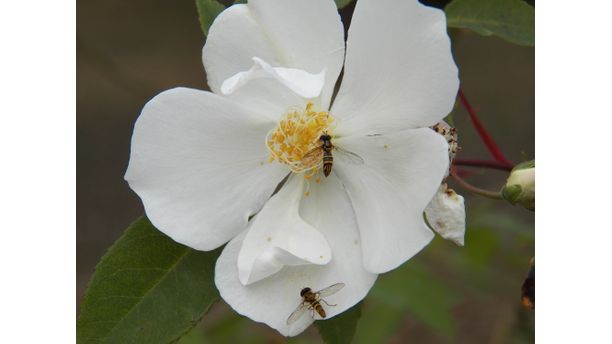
x=297 y=136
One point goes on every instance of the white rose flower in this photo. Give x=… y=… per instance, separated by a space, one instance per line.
x=203 y=163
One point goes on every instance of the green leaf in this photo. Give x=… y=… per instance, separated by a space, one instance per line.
x=512 y=20
x=378 y=323
x=409 y=291
x=341 y=328
x=208 y=10
x=412 y=288
x=342 y=3
x=147 y=289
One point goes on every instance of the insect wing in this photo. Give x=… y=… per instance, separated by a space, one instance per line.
x=347 y=157
x=313 y=155
x=297 y=313
x=332 y=289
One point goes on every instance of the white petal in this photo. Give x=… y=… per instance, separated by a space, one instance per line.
x=273 y=299
x=234 y=38
x=278 y=236
x=269 y=98
x=390 y=191
x=300 y=82
x=199 y=164
x=399 y=72
x=446 y=214
x=305 y=35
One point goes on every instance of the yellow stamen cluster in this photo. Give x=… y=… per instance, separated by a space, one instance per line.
x=295 y=139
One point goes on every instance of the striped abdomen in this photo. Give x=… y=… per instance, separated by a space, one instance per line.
x=319 y=309
x=328 y=162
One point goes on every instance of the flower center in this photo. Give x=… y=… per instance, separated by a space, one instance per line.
x=296 y=142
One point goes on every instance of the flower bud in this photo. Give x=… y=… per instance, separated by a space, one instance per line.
x=520 y=186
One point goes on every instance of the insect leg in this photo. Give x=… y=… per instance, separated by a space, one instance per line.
x=312 y=311
x=328 y=303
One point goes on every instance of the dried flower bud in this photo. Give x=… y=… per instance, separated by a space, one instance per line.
x=450 y=134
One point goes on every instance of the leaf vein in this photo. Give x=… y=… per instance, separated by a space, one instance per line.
x=141 y=298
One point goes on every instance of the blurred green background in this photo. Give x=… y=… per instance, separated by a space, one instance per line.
x=128 y=51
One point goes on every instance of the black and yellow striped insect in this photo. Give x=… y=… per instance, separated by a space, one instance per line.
x=324 y=152
x=312 y=301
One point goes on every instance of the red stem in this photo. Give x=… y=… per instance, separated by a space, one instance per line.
x=462 y=172
x=483 y=133
x=482 y=163
x=474 y=189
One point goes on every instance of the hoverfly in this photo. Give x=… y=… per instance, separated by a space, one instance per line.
x=311 y=300
x=325 y=149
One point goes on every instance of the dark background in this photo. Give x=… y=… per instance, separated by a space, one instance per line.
x=128 y=51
